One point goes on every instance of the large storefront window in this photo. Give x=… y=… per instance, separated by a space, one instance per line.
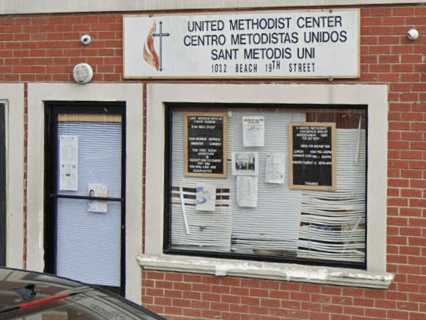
x=267 y=182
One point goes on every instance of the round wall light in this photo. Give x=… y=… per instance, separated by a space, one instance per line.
x=82 y=73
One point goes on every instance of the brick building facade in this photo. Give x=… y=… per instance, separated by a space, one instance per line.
x=38 y=50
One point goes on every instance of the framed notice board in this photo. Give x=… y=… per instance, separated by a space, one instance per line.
x=312 y=156
x=205 y=149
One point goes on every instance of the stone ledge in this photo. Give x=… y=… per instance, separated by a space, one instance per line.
x=268 y=270
x=66 y=6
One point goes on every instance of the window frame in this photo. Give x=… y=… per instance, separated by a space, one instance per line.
x=257 y=108
x=376 y=99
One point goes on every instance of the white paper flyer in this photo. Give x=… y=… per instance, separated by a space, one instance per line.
x=253 y=131
x=68 y=163
x=275 y=168
x=97 y=190
x=205 y=197
x=246 y=190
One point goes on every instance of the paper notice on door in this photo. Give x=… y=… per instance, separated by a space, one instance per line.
x=275 y=168
x=253 y=131
x=246 y=190
x=68 y=163
x=205 y=197
x=98 y=190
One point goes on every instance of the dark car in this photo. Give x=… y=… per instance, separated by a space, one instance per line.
x=30 y=295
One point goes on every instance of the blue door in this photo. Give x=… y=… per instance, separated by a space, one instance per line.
x=86 y=205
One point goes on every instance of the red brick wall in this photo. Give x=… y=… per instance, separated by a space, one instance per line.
x=191 y=296
x=45 y=48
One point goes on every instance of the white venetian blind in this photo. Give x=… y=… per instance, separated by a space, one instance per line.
x=307 y=224
x=89 y=243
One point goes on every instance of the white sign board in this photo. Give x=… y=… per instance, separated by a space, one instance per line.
x=286 y=44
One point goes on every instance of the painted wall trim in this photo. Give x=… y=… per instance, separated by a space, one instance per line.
x=65 y=6
x=132 y=94
x=13 y=96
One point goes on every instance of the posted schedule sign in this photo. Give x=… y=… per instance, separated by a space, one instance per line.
x=205 y=146
x=312 y=156
x=284 y=44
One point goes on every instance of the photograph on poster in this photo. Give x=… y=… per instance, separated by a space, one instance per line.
x=245 y=163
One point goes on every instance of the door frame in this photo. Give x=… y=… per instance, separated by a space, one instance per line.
x=3 y=218
x=133 y=95
x=12 y=96
x=52 y=110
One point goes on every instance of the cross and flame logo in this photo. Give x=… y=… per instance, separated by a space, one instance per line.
x=150 y=54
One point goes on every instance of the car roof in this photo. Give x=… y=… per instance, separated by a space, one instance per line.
x=16 y=286
x=23 y=293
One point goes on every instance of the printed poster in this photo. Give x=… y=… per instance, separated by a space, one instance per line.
x=205 y=197
x=98 y=190
x=275 y=168
x=246 y=190
x=253 y=131
x=68 y=163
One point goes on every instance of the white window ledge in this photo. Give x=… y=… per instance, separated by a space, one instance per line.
x=268 y=270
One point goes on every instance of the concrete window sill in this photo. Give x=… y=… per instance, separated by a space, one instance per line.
x=268 y=270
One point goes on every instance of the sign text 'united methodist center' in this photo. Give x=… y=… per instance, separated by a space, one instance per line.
x=308 y=44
